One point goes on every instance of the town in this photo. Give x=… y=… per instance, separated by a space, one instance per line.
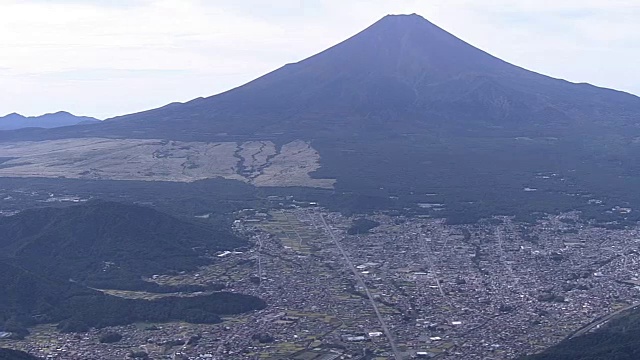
x=412 y=287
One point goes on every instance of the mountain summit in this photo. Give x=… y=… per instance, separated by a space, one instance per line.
x=402 y=68
x=389 y=66
x=402 y=74
x=405 y=108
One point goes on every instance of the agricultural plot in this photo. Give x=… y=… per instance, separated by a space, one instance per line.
x=293 y=233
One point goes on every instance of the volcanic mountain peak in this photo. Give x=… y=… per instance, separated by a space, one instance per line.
x=390 y=67
x=406 y=47
x=400 y=75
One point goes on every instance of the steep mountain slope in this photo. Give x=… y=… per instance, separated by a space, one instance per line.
x=399 y=74
x=107 y=244
x=615 y=339
x=62 y=118
x=404 y=109
x=402 y=74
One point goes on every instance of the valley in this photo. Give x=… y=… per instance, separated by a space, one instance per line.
x=494 y=290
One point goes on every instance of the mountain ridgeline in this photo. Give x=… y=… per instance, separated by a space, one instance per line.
x=615 y=339
x=404 y=116
x=404 y=109
x=401 y=75
x=62 y=118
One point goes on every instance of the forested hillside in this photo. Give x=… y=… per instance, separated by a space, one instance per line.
x=106 y=244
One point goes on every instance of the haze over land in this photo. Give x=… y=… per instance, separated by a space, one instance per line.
x=402 y=192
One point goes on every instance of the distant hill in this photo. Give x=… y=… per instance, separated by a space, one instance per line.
x=107 y=244
x=62 y=118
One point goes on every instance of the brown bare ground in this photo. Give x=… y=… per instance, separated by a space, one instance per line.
x=157 y=160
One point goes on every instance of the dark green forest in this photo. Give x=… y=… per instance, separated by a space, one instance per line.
x=362 y=226
x=30 y=298
x=619 y=339
x=50 y=257
x=9 y=354
x=108 y=244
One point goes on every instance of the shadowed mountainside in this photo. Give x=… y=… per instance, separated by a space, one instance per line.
x=107 y=244
x=401 y=74
x=616 y=339
x=405 y=109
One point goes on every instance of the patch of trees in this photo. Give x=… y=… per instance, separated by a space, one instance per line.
x=110 y=337
x=603 y=346
x=30 y=298
x=100 y=312
x=362 y=226
x=263 y=338
x=389 y=180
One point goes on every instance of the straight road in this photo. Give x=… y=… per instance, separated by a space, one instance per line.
x=385 y=329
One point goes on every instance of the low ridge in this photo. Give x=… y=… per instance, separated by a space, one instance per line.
x=107 y=244
x=61 y=118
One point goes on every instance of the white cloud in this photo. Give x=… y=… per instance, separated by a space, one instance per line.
x=106 y=58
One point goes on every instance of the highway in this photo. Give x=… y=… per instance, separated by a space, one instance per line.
x=385 y=329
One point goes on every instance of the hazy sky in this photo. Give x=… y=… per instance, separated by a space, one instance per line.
x=112 y=57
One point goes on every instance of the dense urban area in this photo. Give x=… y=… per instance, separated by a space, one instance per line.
x=383 y=287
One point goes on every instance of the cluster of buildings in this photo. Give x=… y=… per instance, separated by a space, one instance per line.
x=410 y=288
